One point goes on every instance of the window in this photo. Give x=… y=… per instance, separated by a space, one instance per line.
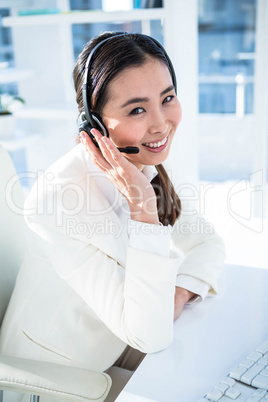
x=82 y=33
x=6 y=55
x=113 y=5
x=226 y=56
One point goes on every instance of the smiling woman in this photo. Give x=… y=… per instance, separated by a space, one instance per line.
x=146 y=114
x=101 y=282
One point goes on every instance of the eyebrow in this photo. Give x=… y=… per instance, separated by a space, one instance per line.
x=140 y=100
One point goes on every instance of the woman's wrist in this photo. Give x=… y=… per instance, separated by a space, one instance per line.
x=146 y=220
x=146 y=213
x=183 y=295
x=145 y=217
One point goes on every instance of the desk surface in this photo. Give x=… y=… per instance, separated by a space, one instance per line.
x=210 y=339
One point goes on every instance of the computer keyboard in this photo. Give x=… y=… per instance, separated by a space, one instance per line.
x=247 y=382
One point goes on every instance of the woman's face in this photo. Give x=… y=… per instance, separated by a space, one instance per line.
x=143 y=111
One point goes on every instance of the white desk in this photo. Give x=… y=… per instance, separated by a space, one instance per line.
x=209 y=340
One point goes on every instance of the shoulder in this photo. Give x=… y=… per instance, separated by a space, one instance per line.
x=59 y=178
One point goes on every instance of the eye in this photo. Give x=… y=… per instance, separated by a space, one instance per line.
x=137 y=110
x=168 y=98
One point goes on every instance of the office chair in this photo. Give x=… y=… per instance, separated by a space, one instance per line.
x=26 y=376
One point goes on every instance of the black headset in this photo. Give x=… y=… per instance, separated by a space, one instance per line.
x=92 y=119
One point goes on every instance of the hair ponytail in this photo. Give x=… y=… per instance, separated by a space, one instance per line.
x=168 y=202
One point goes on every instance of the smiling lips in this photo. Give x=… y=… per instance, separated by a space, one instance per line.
x=156 y=144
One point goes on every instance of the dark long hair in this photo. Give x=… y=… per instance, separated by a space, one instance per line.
x=124 y=51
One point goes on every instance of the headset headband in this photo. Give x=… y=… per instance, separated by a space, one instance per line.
x=85 y=91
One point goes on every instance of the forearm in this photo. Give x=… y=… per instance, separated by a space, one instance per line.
x=204 y=253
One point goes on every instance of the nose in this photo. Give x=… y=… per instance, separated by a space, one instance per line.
x=158 y=122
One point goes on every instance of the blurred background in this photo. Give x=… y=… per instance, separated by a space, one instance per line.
x=220 y=53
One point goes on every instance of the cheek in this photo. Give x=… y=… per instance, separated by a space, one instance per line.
x=126 y=134
x=177 y=114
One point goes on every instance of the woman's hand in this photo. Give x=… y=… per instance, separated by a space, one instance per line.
x=129 y=180
x=182 y=296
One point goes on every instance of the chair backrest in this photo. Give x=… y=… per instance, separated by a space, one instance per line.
x=12 y=234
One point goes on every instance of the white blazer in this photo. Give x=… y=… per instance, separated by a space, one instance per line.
x=82 y=293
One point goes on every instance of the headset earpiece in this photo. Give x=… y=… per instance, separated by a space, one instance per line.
x=95 y=122
x=85 y=126
x=99 y=125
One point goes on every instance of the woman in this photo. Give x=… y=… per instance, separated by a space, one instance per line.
x=99 y=279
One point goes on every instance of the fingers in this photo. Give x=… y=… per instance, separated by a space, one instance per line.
x=111 y=153
x=94 y=152
x=107 y=157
